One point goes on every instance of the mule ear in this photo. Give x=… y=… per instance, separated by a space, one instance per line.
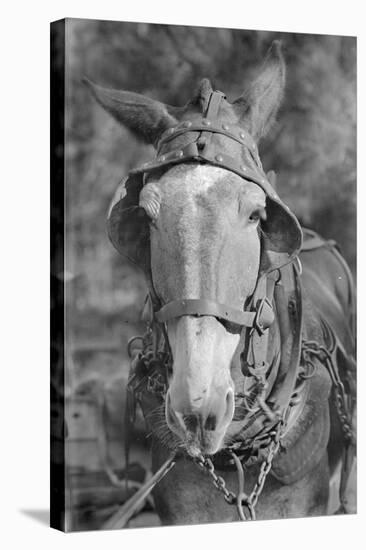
x=259 y=104
x=145 y=117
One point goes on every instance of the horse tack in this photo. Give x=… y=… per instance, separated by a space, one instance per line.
x=153 y=382
x=205 y=140
x=199 y=146
x=149 y=381
x=260 y=316
x=199 y=141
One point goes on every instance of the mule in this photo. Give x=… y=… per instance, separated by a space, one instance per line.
x=221 y=253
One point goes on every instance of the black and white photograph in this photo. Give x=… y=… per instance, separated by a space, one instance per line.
x=203 y=275
x=182 y=273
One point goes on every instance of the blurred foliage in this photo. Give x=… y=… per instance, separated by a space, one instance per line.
x=312 y=147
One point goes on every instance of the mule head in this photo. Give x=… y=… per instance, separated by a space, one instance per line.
x=204 y=243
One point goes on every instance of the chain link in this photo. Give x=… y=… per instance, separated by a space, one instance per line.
x=156 y=383
x=312 y=348
x=218 y=481
x=242 y=499
x=266 y=466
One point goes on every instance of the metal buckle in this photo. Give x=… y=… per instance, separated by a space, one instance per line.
x=264 y=316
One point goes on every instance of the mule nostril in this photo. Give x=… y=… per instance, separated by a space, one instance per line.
x=191 y=422
x=210 y=423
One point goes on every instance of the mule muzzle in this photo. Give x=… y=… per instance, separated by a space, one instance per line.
x=202 y=425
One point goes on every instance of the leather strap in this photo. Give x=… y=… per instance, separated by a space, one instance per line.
x=211 y=116
x=255 y=365
x=256 y=423
x=260 y=319
x=214 y=104
x=233 y=132
x=200 y=150
x=191 y=152
x=257 y=359
x=290 y=363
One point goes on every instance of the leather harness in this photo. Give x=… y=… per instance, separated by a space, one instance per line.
x=260 y=315
x=274 y=383
x=269 y=290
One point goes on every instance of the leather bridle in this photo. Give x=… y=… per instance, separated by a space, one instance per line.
x=197 y=141
x=200 y=148
x=192 y=141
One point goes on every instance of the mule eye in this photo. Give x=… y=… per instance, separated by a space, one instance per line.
x=256 y=215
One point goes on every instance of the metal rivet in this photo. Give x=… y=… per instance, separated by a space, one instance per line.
x=219 y=158
x=263 y=181
x=225 y=127
x=187 y=124
x=244 y=168
x=242 y=135
x=179 y=154
x=206 y=122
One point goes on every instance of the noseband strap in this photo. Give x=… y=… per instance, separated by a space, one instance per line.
x=261 y=318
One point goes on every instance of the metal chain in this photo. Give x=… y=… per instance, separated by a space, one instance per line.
x=346 y=421
x=155 y=363
x=266 y=465
x=218 y=481
x=156 y=384
x=343 y=404
x=242 y=499
x=312 y=348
